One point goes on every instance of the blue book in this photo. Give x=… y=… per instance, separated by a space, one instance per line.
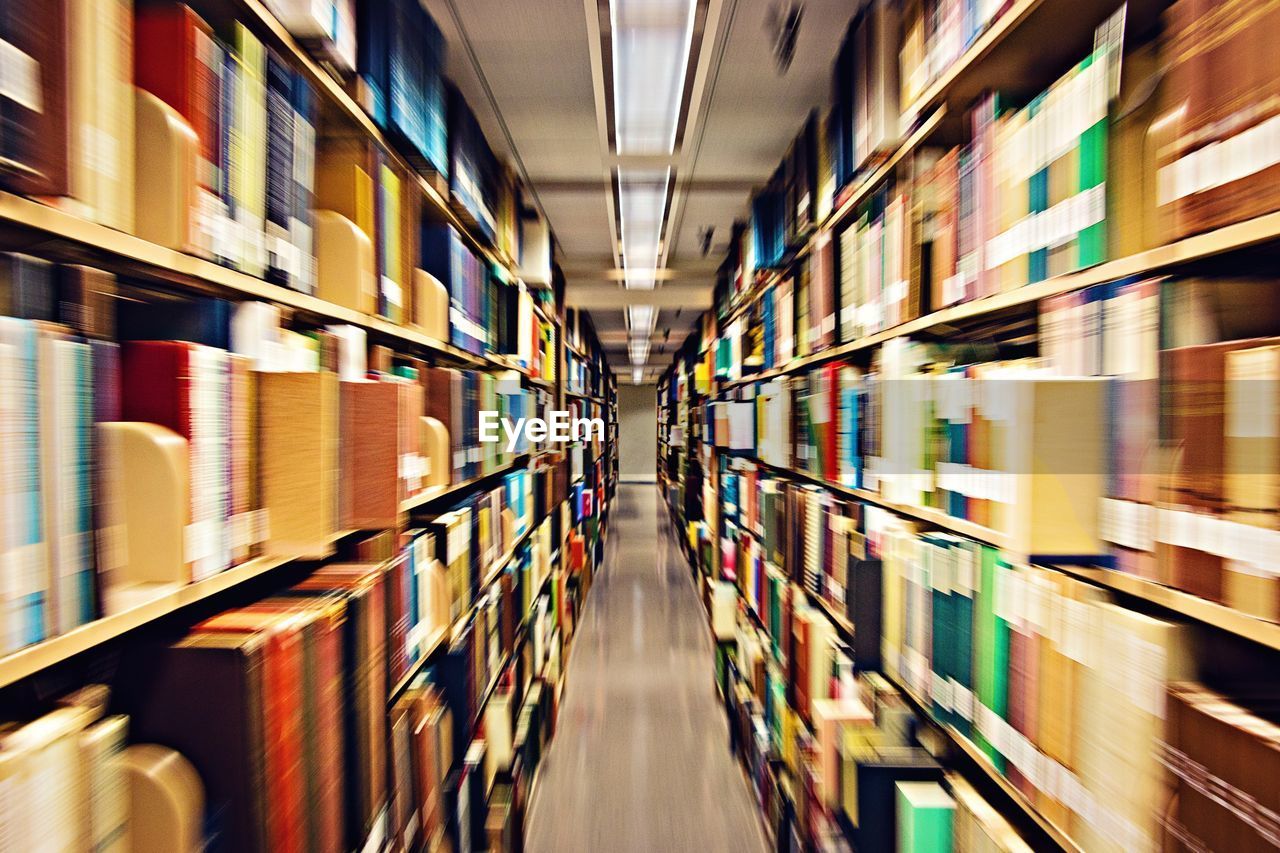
x=27 y=608
x=198 y=320
x=302 y=219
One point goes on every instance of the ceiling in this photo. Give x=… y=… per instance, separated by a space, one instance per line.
x=533 y=73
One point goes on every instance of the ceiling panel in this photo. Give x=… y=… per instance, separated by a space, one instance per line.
x=536 y=60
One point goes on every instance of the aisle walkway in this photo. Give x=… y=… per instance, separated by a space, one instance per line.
x=640 y=759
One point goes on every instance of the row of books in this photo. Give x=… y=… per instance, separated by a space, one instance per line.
x=925 y=427
x=1190 y=496
x=1070 y=695
x=73 y=782
x=1031 y=194
x=448 y=562
x=235 y=171
x=935 y=34
x=888 y=58
x=1025 y=200
x=849 y=770
x=154 y=462
x=582 y=376
x=780 y=533
x=1064 y=690
x=299 y=752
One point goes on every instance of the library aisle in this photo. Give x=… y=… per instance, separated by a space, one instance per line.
x=641 y=756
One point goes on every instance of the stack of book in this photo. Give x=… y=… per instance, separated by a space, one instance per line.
x=1025 y=662
x=302 y=686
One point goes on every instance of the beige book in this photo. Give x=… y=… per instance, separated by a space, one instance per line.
x=431 y=305
x=1252 y=459
x=1064 y=601
x=107 y=808
x=435 y=449
x=298 y=460
x=1054 y=456
x=1121 y=725
x=165 y=190
x=102 y=109
x=51 y=779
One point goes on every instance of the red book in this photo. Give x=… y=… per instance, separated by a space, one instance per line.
x=177 y=60
x=176 y=385
x=282 y=712
x=831 y=402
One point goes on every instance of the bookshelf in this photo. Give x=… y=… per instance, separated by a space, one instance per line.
x=779 y=394
x=337 y=98
x=33 y=659
x=129 y=255
x=1053 y=833
x=369 y=567
x=1222 y=241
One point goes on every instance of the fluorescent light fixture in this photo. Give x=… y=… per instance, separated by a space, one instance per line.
x=642 y=198
x=638 y=349
x=651 y=41
x=641 y=319
x=637 y=375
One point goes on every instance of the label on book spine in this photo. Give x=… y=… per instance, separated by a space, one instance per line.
x=198 y=541
x=20 y=78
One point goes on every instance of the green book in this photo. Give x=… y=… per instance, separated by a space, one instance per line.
x=963 y=580
x=1093 y=169
x=991 y=632
x=924 y=812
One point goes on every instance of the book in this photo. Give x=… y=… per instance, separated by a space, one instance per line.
x=298 y=439
x=183 y=387
x=925 y=813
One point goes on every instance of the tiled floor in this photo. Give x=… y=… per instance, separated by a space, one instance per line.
x=640 y=759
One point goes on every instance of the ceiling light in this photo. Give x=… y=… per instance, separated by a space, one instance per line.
x=641 y=319
x=651 y=40
x=642 y=198
x=638 y=349
x=637 y=375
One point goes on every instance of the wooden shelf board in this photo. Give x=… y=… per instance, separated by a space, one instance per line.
x=441 y=492
x=959 y=526
x=34 y=658
x=127 y=254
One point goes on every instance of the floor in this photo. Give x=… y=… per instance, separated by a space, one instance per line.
x=640 y=760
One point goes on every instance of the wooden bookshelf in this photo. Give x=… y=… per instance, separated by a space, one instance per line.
x=128 y=255
x=39 y=656
x=1230 y=238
